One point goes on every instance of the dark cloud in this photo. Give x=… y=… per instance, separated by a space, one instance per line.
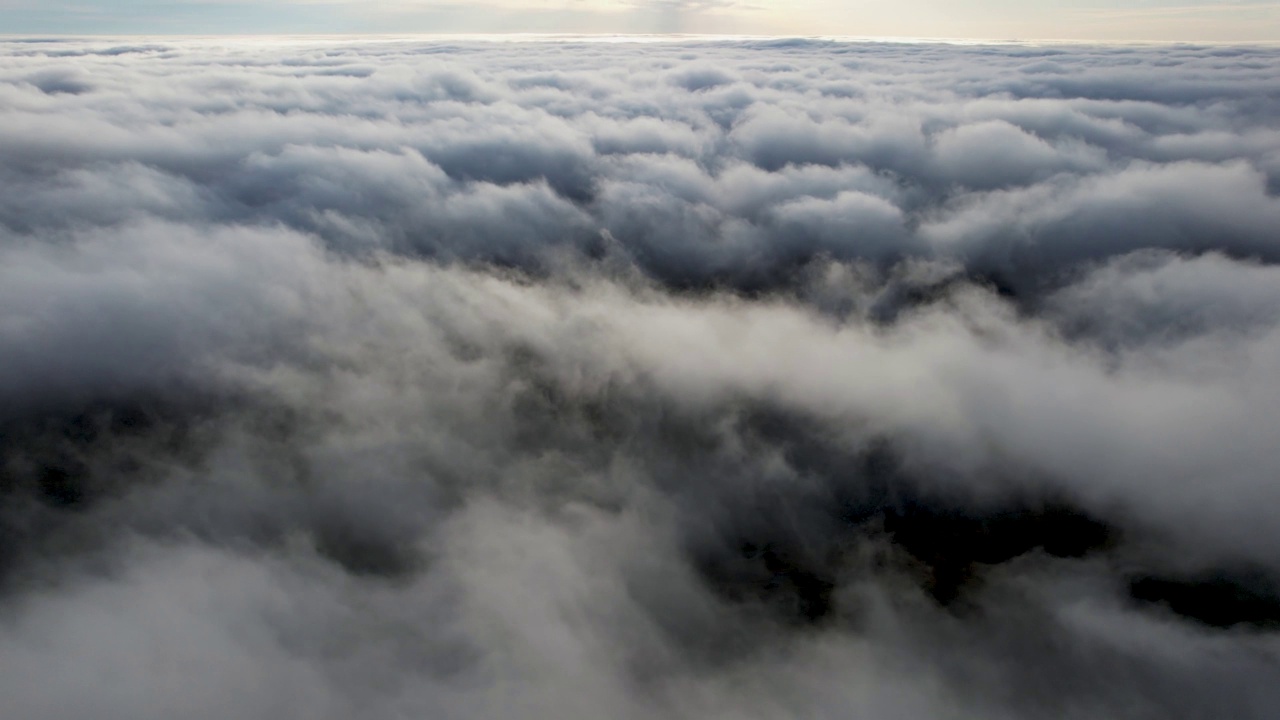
x=730 y=379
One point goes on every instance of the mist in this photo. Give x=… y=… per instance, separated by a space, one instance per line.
x=693 y=379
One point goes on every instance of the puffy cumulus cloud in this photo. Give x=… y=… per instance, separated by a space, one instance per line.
x=734 y=379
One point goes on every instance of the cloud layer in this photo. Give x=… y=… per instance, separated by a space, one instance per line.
x=571 y=379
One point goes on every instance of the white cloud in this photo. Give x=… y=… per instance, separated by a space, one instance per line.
x=761 y=378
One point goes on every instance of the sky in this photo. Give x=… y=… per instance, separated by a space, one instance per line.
x=1126 y=20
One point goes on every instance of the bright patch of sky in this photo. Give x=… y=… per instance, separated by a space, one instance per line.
x=1127 y=20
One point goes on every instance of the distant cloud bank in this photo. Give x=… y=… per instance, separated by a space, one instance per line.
x=748 y=379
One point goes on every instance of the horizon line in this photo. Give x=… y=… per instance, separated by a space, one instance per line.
x=625 y=38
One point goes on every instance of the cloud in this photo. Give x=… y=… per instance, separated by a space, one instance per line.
x=545 y=379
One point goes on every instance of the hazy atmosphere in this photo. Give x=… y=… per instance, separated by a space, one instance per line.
x=660 y=378
x=1095 y=20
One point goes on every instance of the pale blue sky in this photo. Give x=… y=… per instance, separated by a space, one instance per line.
x=1226 y=20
